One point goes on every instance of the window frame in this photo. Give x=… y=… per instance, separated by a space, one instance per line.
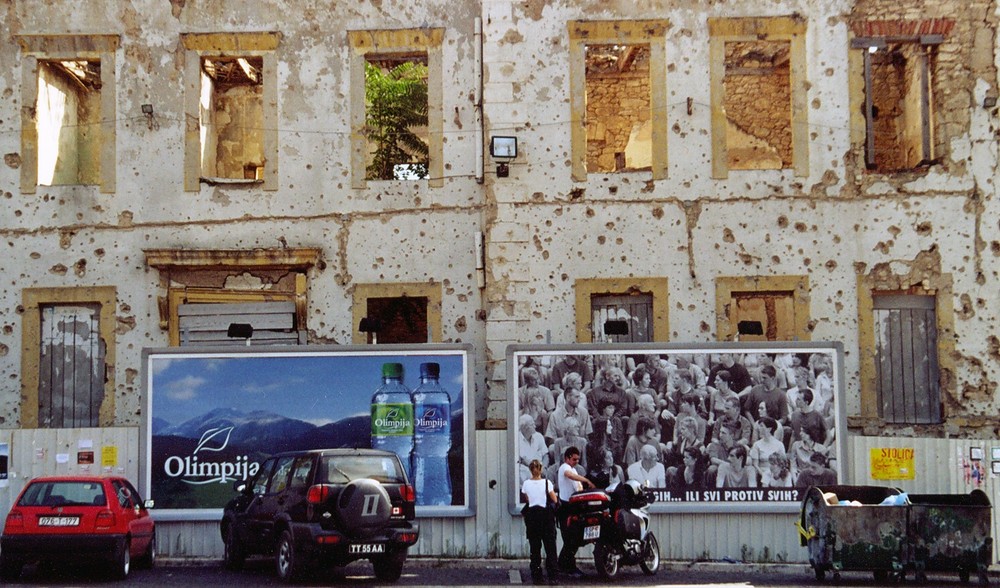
x=726 y=286
x=938 y=285
x=585 y=289
x=186 y=274
x=623 y=32
x=32 y=300
x=201 y=45
x=791 y=29
x=35 y=48
x=426 y=41
x=429 y=290
x=860 y=46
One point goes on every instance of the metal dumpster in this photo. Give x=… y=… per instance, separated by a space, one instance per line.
x=869 y=537
x=950 y=533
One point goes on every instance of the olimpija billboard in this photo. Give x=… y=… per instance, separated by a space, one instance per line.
x=214 y=415
x=728 y=426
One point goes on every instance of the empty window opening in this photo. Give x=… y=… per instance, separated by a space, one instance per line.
x=758 y=104
x=398 y=320
x=763 y=316
x=71 y=366
x=619 y=123
x=396 y=117
x=231 y=117
x=622 y=318
x=906 y=361
x=68 y=113
x=898 y=109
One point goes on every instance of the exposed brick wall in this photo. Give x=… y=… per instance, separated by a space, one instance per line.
x=759 y=104
x=615 y=105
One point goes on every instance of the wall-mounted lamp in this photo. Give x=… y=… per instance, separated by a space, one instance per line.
x=503 y=149
x=990 y=100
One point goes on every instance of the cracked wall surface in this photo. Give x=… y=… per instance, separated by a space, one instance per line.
x=838 y=224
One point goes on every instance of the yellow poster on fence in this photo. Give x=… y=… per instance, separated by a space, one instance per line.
x=109 y=456
x=892 y=463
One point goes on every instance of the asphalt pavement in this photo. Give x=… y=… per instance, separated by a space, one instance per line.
x=427 y=571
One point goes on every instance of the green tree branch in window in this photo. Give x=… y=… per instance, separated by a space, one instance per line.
x=395 y=105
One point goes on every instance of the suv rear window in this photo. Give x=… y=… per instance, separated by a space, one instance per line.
x=63 y=493
x=343 y=469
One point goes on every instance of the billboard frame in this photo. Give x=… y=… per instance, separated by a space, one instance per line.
x=839 y=444
x=411 y=353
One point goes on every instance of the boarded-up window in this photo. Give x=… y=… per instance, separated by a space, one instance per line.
x=622 y=318
x=398 y=320
x=271 y=323
x=71 y=366
x=906 y=362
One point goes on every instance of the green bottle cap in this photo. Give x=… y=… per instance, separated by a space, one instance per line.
x=392 y=370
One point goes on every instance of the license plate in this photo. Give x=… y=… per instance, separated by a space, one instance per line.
x=58 y=521
x=367 y=548
x=591 y=532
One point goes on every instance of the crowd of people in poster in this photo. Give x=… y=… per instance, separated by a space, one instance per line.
x=699 y=426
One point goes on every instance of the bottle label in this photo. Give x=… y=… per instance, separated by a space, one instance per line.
x=432 y=418
x=389 y=420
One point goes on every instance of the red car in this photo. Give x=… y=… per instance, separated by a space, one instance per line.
x=78 y=518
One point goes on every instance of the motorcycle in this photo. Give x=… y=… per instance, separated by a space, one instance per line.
x=616 y=522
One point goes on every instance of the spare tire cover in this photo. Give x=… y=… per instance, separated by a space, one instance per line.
x=363 y=507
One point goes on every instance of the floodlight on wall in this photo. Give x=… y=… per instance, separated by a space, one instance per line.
x=503 y=149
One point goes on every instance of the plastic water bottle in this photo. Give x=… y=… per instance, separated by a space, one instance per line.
x=392 y=415
x=431 y=438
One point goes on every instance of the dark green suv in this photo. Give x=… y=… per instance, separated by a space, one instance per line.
x=323 y=508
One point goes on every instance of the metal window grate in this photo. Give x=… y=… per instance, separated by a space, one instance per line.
x=71 y=367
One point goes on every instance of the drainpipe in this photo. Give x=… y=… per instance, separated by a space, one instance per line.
x=478 y=96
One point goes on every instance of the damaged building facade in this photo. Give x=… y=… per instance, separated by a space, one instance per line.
x=824 y=168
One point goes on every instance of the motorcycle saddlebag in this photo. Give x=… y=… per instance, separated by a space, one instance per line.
x=629 y=525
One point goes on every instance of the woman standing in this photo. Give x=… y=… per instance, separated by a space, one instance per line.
x=539 y=522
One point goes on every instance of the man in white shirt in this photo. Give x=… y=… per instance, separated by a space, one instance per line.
x=648 y=471
x=569 y=479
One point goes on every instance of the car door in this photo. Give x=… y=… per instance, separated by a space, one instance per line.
x=262 y=511
x=137 y=519
x=242 y=507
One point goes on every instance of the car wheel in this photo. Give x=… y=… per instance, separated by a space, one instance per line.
x=234 y=556
x=287 y=561
x=148 y=558
x=121 y=564
x=389 y=567
x=10 y=568
x=363 y=507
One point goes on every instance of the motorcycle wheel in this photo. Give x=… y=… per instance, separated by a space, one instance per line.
x=606 y=560
x=650 y=561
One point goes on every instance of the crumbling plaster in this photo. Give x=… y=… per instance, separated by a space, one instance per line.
x=833 y=224
x=543 y=230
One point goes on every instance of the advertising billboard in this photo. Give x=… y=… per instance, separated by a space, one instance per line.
x=214 y=415
x=712 y=427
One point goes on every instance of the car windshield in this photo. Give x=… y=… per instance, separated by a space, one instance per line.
x=63 y=494
x=343 y=469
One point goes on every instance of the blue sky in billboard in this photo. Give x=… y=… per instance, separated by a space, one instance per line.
x=317 y=389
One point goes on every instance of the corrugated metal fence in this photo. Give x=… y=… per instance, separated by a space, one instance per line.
x=942 y=466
